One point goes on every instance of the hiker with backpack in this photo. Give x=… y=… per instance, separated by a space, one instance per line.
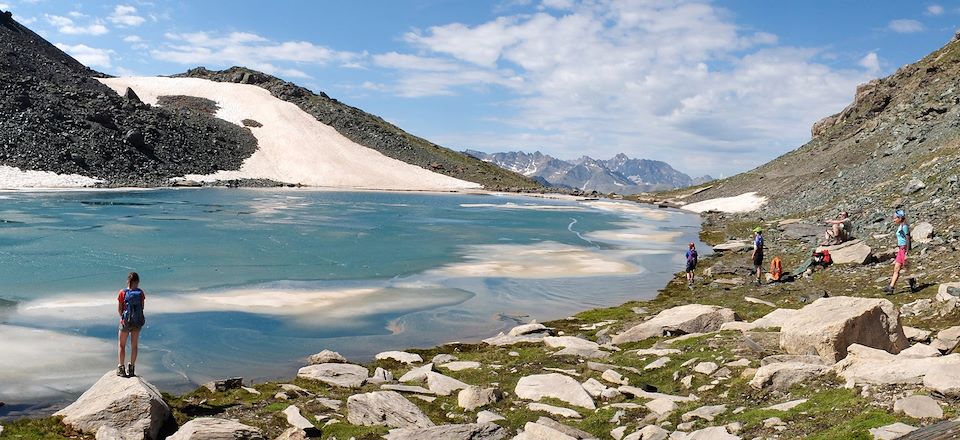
x=130 y=307
x=757 y=254
x=691 y=263
x=904 y=244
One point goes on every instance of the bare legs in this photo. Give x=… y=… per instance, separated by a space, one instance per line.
x=134 y=341
x=896 y=274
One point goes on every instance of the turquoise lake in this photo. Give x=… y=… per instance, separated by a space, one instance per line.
x=247 y=282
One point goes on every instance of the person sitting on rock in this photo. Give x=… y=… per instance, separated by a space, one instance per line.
x=839 y=230
x=130 y=307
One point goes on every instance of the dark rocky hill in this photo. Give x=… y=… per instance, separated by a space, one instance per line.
x=54 y=116
x=373 y=132
x=897 y=145
x=620 y=174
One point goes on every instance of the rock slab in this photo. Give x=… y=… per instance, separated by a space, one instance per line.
x=132 y=406
x=686 y=319
x=919 y=407
x=472 y=431
x=339 y=375
x=554 y=385
x=211 y=428
x=385 y=408
x=829 y=325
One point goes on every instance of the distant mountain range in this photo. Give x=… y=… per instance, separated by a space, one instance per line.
x=620 y=174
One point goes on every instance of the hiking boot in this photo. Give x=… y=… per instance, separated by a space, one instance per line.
x=888 y=290
x=120 y=371
x=130 y=370
x=913 y=284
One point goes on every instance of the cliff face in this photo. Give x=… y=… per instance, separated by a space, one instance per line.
x=896 y=145
x=54 y=116
x=373 y=132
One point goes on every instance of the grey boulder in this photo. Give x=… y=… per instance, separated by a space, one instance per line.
x=132 y=406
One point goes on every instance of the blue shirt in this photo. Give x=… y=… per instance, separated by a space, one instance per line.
x=903 y=232
x=758 y=242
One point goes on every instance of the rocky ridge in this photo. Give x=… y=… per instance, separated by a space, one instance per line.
x=54 y=116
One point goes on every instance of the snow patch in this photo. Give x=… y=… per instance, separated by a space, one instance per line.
x=293 y=146
x=743 y=203
x=15 y=178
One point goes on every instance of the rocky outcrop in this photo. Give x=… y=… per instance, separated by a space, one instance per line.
x=387 y=408
x=339 y=375
x=533 y=332
x=865 y=365
x=690 y=318
x=132 y=406
x=326 y=357
x=210 y=428
x=829 y=325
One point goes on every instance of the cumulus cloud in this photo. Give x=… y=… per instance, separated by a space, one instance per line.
x=905 y=26
x=935 y=10
x=5 y=6
x=250 y=50
x=87 y=55
x=66 y=25
x=126 y=15
x=676 y=81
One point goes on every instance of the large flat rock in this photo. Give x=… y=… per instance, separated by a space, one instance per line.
x=690 y=318
x=132 y=406
x=829 y=325
x=865 y=365
x=851 y=252
x=338 y=375
x=471 y=431
x=385 y=408
x=781 y=376
x=555 y=385
x=211 y=428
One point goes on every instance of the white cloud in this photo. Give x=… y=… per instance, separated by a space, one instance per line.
x=132 y=39
x=935 y=10
x=906 y=26
x=871 y=62
x=125 y=15
x=4 y=6
x=87 y=55
x=66 y=25
x=675 y=81
x=250 y=50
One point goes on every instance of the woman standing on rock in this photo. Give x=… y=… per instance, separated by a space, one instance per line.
x=904 y=243
x=130 y=307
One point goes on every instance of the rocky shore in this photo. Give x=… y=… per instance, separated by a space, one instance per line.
x=826 y=356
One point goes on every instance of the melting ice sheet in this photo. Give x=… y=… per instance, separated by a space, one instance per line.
x=249 y=282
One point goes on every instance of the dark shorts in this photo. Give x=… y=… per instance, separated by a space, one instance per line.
x=129 y=328
x=758 y=259
x=691 y=267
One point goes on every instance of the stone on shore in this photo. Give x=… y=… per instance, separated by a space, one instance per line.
x=400 y=356
x=574 y=346
x=916 y=335
x=536 y=431
x=786 y=406
x=946 y=339
x=132 y=406
x=706 y=368
x=686 y=319
x=661 y=407
x=712 y=433
x=461 y=365
x=707 y=413
x=802 y=359
x=385 y=408
x=781 y=376
x=829 y=325
x=854 y=251
x=472 y=431
x=891 y=432
x=338 y=375
x=210 y=428
x=381 y=376
x=568 y=430
x=297 y=420
x=292 y=434
x=473 y=397
x=488 y=416
x=533 y=332
x=418 y=374
x=919 y=407
x=649 y=432
x=221 y=385
x=867 y=365
x=594 y=387
x=326 y=357
x=443 y=385
x=733 y=246
x=554 y=385
x=555 y=410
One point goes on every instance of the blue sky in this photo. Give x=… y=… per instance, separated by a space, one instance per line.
x=710 y=87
